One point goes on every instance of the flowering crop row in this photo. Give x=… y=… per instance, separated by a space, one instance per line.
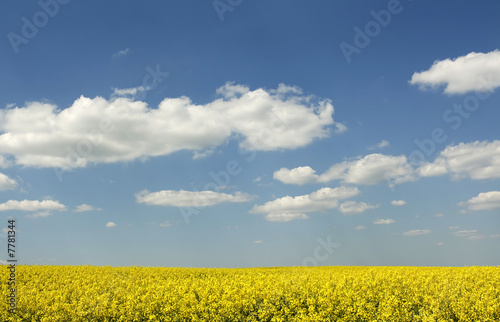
x=89 y=293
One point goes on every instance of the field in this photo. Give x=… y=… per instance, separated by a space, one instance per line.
x=89 y=293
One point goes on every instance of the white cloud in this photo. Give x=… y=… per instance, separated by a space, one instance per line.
x=96 y=130
x=291 y=208
x=354 y=208
x=384 y=221
x=165 y=224
x=372 y=169
x=184 y=198
x=130 y=92
x=285 y=217
x=4 y=162
x=483 y=201
x=32 y=205
x=416 y=232
x=473 y=72
x=258 y=241
x=360 y=227
x=40 y=214
x=123 y=52
x=469 y=234
x=476 y=160
x=110 y=224
x=7 y=183
x=439 y=215
x=437 y=168
x=398 y=202
x=376 y=168
x=382 y=144
x=300 y=175
x=85 y=207
x=340 y=128
x=440 y=244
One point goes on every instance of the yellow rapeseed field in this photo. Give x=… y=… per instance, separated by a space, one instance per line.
x=89 y=293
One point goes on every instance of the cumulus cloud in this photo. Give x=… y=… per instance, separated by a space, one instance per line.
x=40 y=214
x=473 y=72
x=354 y=208
x=182 y=198
x=477 y=160
x=290 y=208
x=257 y=241
x=398 y=202
x=469 y=234
x=369 y=170
x=300 y=175
x=123 y=52
x=483 y=201
x=416 y=232
x=132 y=92
x=384 y=221
x=285 y=217
x=360 y=227
x=92 y=131
x=110 y=224
x=382 y=144
x=165 y=224
x=7 y=183
x=85 y=207
x=31 y=205
x=4 y=162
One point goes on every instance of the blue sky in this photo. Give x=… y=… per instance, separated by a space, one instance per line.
x=251 y=133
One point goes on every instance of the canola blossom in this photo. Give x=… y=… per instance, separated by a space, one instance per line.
x=92 y=293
